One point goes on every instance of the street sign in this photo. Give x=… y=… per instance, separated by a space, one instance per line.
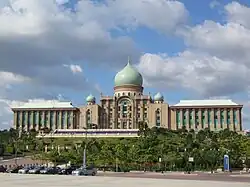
x=191 y=159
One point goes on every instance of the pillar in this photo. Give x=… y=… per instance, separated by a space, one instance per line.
x=199 y=124
x=15 y=122
x=231 y=125
x=181 y=117
x=212 y=119
x=225 y=118
x=206 y=119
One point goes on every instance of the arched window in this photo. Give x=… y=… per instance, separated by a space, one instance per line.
x=158 y=118
x=124 y=107
x=88 y=121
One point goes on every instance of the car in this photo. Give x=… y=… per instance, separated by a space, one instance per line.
x=25 y=170
x=67 y=170
x=2 y=169
x=15 y=169
x=36 y=170
x=50 y=170
x=85 y=171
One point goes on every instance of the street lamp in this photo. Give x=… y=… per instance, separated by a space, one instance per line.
x=85 y=146
x=85 y=149
x=19 y=136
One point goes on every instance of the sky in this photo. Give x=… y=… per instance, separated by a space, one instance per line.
x=67 y=49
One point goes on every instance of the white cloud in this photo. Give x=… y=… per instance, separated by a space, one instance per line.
x=38 y=36
x=199 y=72
x=8 y=78
x=216 y=62
x=217 y=57
x=74 y=68
x=214 y=4
x=238 y=13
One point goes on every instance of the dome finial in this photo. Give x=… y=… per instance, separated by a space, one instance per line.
x=129 y=60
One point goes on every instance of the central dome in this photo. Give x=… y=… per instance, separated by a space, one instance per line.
x=128 y=76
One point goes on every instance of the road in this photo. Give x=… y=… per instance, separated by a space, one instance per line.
x=15 y=180
x=180 y=176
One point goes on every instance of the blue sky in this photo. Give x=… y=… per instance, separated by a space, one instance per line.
x=70 y=48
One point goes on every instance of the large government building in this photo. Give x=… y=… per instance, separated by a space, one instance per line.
x=121 y=112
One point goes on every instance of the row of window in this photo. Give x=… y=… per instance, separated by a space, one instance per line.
x=193 y=118
x=51 y=118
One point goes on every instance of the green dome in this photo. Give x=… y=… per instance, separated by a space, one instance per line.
x=128 y=76
x=90 y=98
x=158 y=97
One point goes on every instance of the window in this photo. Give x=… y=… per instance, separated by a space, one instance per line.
x=203 y=118
x=18 y=119
x=36 y=117
x=51 y=119
x=222 y=118
x=24 y=118
x=63 y=119
x=178 y=118
x=215 y=118
x=40 y=118
x=57 y=118
x=228 y=117
x=235 y=117
x=185 y=117
x=46 y=118
x=209 y=117
x=29 y=118
x=158 y=118
x=128 y=93
x=191 y=120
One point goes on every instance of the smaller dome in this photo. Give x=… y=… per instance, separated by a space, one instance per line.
x=90 y=98
x=158 y=97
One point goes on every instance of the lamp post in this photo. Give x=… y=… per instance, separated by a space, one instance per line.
x=85 y=146
x=16 y=150
x=85 y=149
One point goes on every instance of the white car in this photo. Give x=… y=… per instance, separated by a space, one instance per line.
x=85 y=171
x=24 y=170
x=36 y=170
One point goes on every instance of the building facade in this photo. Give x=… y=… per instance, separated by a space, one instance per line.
x=127 y=107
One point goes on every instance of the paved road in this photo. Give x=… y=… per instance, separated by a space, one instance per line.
x=180 y=176
x=15 y=180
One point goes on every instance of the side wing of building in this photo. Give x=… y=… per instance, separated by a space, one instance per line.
x=51 y=115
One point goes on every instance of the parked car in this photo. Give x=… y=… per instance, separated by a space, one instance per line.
x=2 y=169
x=50 y=170
x=25 y=169
x=67 y=171
x=36 y=170
x=14 y=169
x=85 y=171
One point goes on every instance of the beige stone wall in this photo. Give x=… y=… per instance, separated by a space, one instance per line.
x=94 y=115
x=164 y=114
